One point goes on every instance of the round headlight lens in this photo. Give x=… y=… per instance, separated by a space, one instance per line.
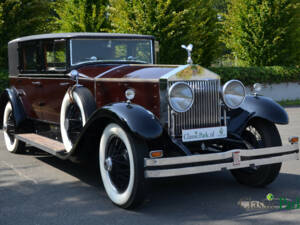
x=130 y=94
x=181 y=97
x=234 y=93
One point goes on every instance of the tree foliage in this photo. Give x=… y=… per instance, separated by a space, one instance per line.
x=172 y=22
x=82 y=15
x=20 y=18
x=263 y=32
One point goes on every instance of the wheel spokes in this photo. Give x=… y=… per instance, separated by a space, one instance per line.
x=120 y=171
x=73 y=122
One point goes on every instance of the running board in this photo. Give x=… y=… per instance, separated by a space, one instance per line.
x=46 y=144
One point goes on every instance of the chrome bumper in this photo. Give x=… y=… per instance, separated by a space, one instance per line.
x=234 y=159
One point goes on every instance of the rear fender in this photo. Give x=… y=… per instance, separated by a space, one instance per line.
x=10 y=94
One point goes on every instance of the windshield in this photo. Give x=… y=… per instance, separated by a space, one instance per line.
x=113 y=50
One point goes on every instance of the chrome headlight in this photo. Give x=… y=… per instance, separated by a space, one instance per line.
x=181 y=97
x=233 y=93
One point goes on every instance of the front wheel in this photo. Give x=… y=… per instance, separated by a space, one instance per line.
x=121 y=159
x=259 y=134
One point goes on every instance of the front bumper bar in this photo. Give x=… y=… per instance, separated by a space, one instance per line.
x=234 y=159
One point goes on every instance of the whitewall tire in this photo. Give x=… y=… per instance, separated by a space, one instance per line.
x=12 y=144
x=66 y=104
x=121 y=166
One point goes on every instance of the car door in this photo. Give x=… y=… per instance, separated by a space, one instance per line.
x=54 y=77
x=29 y=83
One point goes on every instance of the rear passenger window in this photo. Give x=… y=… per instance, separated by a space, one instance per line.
x=54 y=52
x=29 y=57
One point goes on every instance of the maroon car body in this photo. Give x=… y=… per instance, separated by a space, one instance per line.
x=102 y=95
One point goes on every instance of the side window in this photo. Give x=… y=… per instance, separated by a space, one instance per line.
x=54 y=52
x=28 y=57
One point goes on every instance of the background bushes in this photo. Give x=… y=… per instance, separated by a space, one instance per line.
x=3 y=79
x=266 y=75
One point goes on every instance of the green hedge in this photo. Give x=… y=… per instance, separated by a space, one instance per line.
x=3 y=79
x=251 y=75
x=248 y=75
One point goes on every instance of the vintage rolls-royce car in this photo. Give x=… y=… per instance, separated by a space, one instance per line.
x=87 y=94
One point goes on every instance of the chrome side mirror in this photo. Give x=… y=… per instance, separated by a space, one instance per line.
x=74 y=76
x=257 y=87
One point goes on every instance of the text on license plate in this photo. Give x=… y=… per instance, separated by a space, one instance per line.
x=202 y=134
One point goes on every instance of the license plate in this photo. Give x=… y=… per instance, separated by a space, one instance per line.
x=204 y=134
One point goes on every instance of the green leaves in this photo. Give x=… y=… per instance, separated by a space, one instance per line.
x=81 y=15
x=20 y=18
x=173 y=23
x=255 y=32
x=264 y=75
x=262 y=32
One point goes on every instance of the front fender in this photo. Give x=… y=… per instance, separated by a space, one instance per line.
x=10 y=94
x=135 y=118
x=256 y=106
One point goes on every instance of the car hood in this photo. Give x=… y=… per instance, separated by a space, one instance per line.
x=144 y=72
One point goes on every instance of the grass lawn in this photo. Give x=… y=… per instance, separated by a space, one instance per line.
x=287 y=103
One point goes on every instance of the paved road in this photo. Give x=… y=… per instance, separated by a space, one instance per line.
x=36 y=188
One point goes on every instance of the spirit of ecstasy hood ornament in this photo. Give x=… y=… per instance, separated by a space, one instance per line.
x=189 y=50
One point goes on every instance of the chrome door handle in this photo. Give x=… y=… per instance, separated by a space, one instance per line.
x=36 y=83
x=64 y=83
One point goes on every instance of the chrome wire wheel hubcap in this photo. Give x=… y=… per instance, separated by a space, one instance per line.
x=117 y=163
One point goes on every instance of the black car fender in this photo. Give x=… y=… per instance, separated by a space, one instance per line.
x=10 y=94
x=135 y=118
x=256 y=107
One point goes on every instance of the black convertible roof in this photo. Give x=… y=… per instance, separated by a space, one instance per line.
x=80 y=35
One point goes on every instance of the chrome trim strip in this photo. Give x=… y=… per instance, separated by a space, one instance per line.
x=218 y=167
x=219 y=156
x=173 y=72
x=110 y=70
x=71 y=53
x=128 y=80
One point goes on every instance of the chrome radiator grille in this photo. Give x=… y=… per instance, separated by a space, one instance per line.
x=205 y=112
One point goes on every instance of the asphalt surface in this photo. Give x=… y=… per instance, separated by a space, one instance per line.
x=36 y=188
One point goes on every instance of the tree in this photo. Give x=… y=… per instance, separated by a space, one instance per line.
x=262 y=32
x=20 y=18
x=81 y=15
x=204 y=32
x=221 y=5
x=172 y=22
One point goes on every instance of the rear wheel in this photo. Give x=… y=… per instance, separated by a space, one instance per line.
x=259 y=134
x=121 y=159
x=12 y=144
